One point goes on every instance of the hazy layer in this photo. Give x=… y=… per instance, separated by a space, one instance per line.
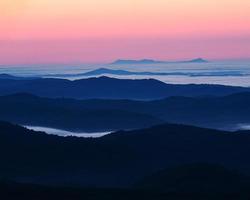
x=225 y=73
x=63 y=133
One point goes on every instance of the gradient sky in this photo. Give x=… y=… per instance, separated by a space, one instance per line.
x=94 y=31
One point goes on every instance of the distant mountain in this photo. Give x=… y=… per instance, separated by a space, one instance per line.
x=10 y=77
x=197 y=60
x=103 y=71
x=150 y=61
x=117 y=160
x=111 y=88
x=7 y=76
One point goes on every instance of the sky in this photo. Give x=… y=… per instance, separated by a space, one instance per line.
x=98 y=31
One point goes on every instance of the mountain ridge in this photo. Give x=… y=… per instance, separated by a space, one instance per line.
x=97 y=115
x=121 y=72
x=111 y=88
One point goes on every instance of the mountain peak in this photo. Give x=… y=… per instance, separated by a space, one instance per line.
x=198 y=60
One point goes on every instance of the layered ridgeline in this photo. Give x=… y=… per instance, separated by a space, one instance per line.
x=228 y=112
x=120 y=72
x=69 y=114
x=126 y=159
x=109 y=88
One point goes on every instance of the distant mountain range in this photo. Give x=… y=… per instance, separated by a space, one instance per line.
x=124 y=159
x=119 y=72
x=111 y=88
x=228 y=113
x=150 y=61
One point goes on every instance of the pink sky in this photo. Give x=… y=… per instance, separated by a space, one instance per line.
x=94 y=31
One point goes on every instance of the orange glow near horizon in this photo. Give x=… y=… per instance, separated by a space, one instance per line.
x=126 y=20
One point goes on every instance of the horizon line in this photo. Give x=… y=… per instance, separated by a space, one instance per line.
x=110 y=62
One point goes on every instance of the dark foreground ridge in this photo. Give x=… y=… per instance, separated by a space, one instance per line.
x=125 y=159
x=14 y=191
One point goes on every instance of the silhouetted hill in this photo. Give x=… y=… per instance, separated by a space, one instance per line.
x=228 y=112
x=69 y=114
x=110 y=88
x=117 y=160
x=150 y=61
x=10 y=77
